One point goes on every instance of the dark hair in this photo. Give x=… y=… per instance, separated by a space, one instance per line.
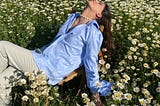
x=105 y=22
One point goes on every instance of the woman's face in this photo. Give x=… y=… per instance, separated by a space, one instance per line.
x=96 y=6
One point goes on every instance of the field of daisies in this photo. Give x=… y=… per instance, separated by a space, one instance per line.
x=134 y=70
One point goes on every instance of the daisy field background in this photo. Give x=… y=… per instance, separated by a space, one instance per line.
x=135 y=69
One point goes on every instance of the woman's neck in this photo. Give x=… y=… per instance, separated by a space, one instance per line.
x=88 y=14
x=85 y=17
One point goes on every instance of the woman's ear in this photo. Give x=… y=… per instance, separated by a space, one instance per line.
x=99 y=15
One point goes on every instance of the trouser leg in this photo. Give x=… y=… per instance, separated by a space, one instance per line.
x=13 y=57
x=16 y=56
x=6 y=85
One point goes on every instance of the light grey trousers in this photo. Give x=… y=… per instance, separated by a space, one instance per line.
x=13 y=57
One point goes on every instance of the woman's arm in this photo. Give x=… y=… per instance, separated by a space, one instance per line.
x=93 y=45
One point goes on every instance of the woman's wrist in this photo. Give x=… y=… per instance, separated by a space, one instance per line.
x=95 y=95
x=97 y=99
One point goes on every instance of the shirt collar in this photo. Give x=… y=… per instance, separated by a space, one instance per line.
x=90 y=22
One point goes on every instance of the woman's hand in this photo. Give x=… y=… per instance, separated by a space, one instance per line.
x=97 y=99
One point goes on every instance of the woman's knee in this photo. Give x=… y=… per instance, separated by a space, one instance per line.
x=3 y=44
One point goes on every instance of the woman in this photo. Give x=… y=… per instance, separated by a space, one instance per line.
x=77 y=43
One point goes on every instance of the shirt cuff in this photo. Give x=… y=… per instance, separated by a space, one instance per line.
x=105 y=88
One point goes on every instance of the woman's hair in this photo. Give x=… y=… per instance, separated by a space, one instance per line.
x=105 y=23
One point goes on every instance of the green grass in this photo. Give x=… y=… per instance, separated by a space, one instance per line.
x=136 y=63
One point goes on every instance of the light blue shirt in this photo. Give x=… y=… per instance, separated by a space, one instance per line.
x=70 y=49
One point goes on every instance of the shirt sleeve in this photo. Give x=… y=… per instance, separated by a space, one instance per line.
x=93 y=45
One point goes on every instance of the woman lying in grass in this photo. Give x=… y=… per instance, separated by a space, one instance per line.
x=77 y=43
